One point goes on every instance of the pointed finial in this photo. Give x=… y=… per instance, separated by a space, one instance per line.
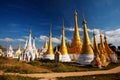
x=51 y=29
x=75 y=13
x=84 y=21
x=63 y=25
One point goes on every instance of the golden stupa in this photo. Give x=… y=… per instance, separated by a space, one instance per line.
x=45 y=45
x=103 y=53
x=18 y=52
x=49 y=53
x=76 y=44
x=87 y=55
x=63 y=48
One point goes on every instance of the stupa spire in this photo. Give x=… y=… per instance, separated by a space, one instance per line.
x=95 y=45
x=87 y=55
x=19 y=47
x=86 y=48
x=63 y=48
x=45 y=44
x=50 y=49
x=29 y=44
x=76 y=38
x=34 y=47
x=97 y=59
x=105 y=60
x=109 y=51
x=18 y=52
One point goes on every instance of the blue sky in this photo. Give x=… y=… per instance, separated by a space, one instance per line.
x=17 y=17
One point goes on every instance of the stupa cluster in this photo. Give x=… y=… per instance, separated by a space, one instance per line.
x=83 y=53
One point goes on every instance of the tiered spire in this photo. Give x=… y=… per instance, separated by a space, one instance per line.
x=63 y=48
x=76 y=38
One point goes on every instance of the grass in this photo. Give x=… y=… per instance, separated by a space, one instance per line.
x=70 y=66
x=10 y=65
x=94 y=77
x=8 y=77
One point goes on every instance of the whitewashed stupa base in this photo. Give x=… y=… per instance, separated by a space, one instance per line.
x=85 y=59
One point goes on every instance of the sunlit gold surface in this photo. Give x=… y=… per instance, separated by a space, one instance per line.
x=63 y=48
x=45 y=45
x=76 y=44
x=86 y=47
x=50 y=49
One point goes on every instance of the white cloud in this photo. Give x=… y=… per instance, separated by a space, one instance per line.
x=80 y=29
x=43 y=38
x=113 y=32
x=72 y=29
x=21 y=40
x=113 y=36
x=11 y=40
x=56 y=40
x=7 y=39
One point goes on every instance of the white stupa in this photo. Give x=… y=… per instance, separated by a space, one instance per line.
x=29 y=52
x=10 y=52
x=35 y=53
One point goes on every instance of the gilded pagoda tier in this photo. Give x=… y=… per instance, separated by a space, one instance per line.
x=76 y=50
x=76 y=44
